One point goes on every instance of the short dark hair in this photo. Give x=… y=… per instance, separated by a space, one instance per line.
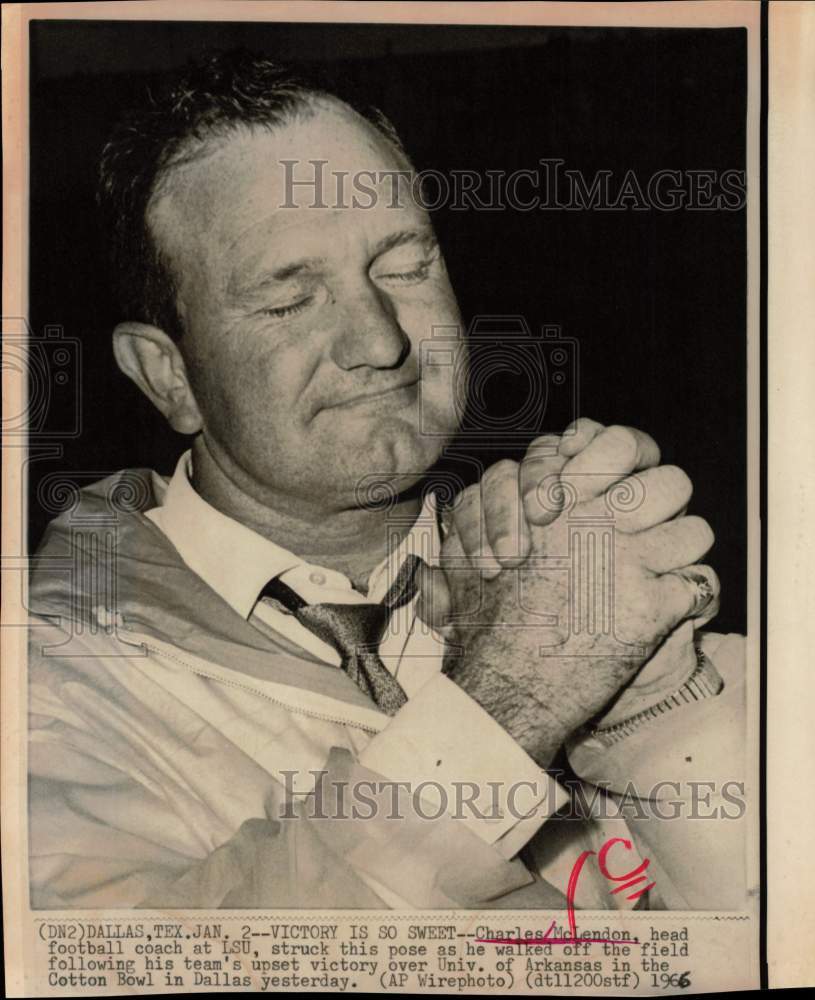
x=213 y=96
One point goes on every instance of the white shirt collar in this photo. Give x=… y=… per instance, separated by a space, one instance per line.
x=237 y=562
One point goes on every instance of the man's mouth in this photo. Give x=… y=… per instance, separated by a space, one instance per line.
x=403 y=391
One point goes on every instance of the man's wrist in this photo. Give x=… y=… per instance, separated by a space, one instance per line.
x=531 y=724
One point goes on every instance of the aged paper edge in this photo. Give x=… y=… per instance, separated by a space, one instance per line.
x=15 y=61
x=791 y=498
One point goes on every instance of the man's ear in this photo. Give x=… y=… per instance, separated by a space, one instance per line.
x=152 y=359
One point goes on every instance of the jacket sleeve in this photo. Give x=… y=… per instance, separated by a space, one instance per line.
x=682 y=783
x=84 y=854
x=117 y=819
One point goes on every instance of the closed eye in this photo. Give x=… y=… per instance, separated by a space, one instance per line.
x=414 y=276
x=418 y=274
x=280 y=312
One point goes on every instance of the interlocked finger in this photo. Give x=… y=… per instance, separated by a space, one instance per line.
x=688 y=593
x=469 y=523
x=539 y=480
x=613 y=453
x=578 y=435
x=643 y=500
x=504 y=521
x=676 y=543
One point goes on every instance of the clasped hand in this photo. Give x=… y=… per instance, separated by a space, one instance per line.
x=556 y=581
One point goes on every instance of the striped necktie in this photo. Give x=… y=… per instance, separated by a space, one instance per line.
x=355 y=631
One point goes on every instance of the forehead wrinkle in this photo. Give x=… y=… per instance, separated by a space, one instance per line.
x=186 y=211
x=277 y=222
x=197 y=150
x=188 y=185
x=238 y=287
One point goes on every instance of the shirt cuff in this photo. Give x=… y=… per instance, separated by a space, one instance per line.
x=460 y=761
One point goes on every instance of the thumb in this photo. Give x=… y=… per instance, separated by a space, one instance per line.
x=434 y=602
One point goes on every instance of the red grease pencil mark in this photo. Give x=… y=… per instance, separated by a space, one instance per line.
x=629 y=879
x=571 y=890
x=627 y=885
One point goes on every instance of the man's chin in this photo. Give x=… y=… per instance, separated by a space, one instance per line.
x=380 y=491
x=392 y=466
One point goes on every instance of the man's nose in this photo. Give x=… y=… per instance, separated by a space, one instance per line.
x=368 y=332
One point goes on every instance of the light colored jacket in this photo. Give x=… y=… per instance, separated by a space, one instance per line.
x=169 y=738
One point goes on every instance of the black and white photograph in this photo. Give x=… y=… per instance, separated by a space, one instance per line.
x=390 y=470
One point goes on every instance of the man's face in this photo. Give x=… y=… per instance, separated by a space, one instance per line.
x=303 y=324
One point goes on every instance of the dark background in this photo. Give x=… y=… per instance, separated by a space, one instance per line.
x=656 y=300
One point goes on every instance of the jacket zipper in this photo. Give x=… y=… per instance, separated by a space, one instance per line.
x=158 y=648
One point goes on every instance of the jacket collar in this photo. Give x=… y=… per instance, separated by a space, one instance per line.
x=105 y=554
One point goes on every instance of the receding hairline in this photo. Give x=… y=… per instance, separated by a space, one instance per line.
x=197 y=149
x=306 y=107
